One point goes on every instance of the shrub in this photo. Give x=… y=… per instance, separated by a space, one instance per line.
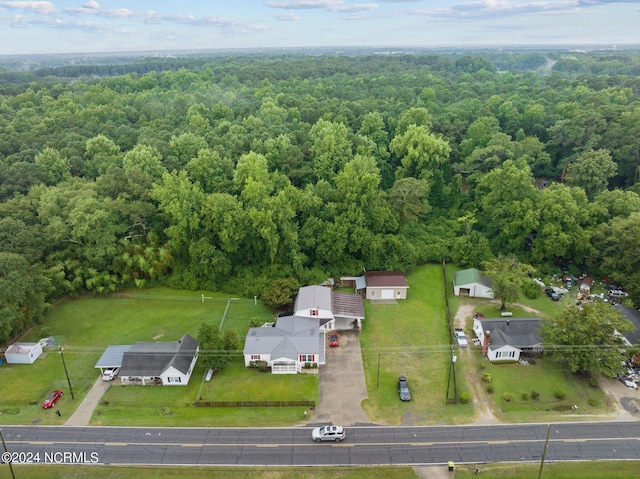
x=531 y=290
x=482 y=366
x=525 y=396
x=262 y=366
x=255 y=323
x=535 y=395
x=490 y=389
x=507 y=397
x=593 y=402
x=560 y=394
x=593 y=382
x=465 y=397
x=45 y=332
x=486 y=377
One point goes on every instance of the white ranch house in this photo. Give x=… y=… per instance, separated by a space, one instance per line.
x=168 y=363
x=506 y=339
x=287 y=345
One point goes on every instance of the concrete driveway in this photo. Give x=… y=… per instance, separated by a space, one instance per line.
x=341 y=383
x=83 y=413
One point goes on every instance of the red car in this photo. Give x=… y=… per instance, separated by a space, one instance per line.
x=52 y=399
x=333 y=340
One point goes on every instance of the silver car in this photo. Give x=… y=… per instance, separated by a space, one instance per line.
x=328 y=433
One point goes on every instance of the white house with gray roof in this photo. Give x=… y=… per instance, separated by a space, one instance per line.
x=286 y=345
x=331 y=309
x=505 y=339
x=169 y=363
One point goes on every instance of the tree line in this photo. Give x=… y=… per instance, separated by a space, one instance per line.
x=233 y=173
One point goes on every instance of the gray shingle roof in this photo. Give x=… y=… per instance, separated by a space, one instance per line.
x=289 y=337
x=149 y=359
x=313 y=297
x=516 y=332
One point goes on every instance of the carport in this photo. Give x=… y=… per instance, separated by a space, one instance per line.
x=112 y=357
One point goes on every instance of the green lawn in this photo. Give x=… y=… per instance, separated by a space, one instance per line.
x=545 y=377
x=173 y=406
x=182 y=472
x=86 y=326
x=411 y=338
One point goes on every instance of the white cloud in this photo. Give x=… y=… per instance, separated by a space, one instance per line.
x=42 y=8
x=286 y=17
x=329 y=5
x=92 y=4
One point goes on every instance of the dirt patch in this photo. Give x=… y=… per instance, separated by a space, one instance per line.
x=482 y=406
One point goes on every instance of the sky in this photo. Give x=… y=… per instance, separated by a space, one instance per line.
x=83 y=26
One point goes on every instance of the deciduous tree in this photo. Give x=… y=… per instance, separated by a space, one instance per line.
x=588 y=338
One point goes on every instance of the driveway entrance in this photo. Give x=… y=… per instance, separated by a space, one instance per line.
x=341 y=383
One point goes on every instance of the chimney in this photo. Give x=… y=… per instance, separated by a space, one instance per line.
x=485 y=345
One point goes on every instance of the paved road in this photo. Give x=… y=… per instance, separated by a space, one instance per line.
x=373 y=445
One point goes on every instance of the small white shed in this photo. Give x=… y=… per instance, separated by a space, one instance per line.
x=23 y=353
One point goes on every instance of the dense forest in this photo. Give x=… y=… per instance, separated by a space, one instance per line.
x=228 y=173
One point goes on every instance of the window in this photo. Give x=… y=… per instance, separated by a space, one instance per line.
x=174 y=380
x=255 y=357
x=373 y=293
x=306 y=358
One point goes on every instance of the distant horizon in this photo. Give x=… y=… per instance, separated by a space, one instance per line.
x=387 y=49
x=34 y=27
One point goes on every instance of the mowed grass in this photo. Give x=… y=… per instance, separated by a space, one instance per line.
x=86 y=326
x=141 y=472
x=173 y=406
x=411 y=338
x=556 y=470
x=545 y=377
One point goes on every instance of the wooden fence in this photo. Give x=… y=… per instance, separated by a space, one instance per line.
x=310 y=404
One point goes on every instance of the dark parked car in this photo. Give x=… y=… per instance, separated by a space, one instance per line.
x=333 y=340
x=552 y=294
x=52 y=399
x=403 y=389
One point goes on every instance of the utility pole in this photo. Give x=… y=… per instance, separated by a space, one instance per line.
x=4 y=445
x=544 y=451
x=66 y=373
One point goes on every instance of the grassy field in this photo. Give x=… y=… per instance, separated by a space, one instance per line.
x=546 y=377
x=122 y=472
x=411 y=338
x=567 y=470
x=163 y=406
x=86 y=326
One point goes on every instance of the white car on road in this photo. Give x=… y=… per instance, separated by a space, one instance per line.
x=328 y=433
